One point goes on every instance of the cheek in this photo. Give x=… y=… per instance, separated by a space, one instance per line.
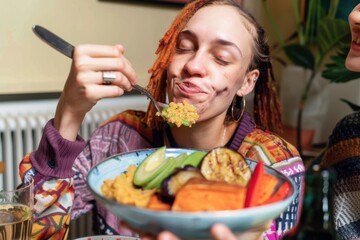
x=229 y=81
x=170 y=71
x=175 y=67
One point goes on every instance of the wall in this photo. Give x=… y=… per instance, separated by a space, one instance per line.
x=28 y=65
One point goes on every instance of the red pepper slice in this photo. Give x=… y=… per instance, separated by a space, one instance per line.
x=254 y=185
x=261 y=186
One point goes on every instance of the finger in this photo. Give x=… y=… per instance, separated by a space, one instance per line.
x=221 y=232
x=97 y=92
x=84 y=79
x=119 y=80
x=166 y=235
x=120 y=64
x=104 y=58
x=96 y=51
x=120 y=48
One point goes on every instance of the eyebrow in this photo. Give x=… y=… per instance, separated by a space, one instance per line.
x=188 y=33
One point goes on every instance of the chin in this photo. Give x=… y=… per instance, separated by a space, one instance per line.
x=352 y=63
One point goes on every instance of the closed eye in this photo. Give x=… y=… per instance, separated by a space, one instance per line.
x=185 y=45
x=221 y=61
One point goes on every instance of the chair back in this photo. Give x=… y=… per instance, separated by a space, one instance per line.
x=2 y=167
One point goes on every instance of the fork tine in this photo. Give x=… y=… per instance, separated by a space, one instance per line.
x=158 y=105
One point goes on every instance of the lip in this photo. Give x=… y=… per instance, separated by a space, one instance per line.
x=355 y=46
x=189 y=88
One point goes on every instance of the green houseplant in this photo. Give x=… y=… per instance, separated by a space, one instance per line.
x=336 y=72
x=319 y=33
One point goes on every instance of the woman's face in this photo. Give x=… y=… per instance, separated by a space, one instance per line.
x=209 y=66
x=353 y=58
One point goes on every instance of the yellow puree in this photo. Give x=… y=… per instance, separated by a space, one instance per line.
x=123 y=190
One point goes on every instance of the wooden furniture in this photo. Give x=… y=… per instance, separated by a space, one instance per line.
x=2 y=167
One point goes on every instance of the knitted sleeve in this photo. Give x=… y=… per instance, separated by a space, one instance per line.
x=343 y=155
x=274 y=151
x=51 y=168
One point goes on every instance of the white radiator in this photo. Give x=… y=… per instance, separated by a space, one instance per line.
x=21 y=126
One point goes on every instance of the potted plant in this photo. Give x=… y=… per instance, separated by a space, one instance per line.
x=336 y=72
x=319 y=33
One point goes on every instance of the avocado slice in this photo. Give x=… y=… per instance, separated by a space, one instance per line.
x=171 y=164
x=193 y=159
x=150 y=167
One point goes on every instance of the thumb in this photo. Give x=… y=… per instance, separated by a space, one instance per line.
x=166 y=235
x=221 y=232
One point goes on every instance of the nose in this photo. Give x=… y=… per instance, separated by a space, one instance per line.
x=196 y=64
x=354 y=17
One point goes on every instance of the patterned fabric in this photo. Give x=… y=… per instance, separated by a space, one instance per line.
x=343 y=154
x=52 y=203
x=56 y=198
x=274 y=151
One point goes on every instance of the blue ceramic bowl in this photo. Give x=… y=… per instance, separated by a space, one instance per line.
x=185 y=225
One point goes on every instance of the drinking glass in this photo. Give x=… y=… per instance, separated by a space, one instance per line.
x=16 y=208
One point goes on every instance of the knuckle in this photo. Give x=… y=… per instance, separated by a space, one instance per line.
x=87 y=93
x=78 y=51
x=80 y=64
x=80 y=77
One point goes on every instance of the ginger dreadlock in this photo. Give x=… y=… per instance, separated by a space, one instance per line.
x=165 y=51
x=266 y=104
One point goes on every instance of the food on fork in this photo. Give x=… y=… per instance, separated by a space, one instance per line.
x=179 y=114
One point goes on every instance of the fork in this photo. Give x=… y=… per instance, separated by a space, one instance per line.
x=158 y=105
x=67 y=49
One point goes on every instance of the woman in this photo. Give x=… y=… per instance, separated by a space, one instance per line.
x=213 y=55
x=343 y=152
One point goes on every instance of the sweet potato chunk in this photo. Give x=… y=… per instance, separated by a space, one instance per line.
x=268 y=185
x=203 y=195
x=155 y=203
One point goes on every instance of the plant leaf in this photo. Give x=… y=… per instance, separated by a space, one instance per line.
x=300 y=55
x=332 y=33
x=336 y=72
x=353 y=106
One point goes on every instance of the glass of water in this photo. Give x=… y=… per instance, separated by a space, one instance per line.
x=16 y=208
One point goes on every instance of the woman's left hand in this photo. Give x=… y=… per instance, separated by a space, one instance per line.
x=220 y=232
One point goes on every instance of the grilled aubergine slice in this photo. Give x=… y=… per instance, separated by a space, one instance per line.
x=224 y=164
x=171 y=185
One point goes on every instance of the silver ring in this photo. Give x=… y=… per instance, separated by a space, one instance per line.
x=108 y=77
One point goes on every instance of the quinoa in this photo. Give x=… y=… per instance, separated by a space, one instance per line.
x=180 y=114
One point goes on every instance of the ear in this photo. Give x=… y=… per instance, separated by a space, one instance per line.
x=248 y=83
